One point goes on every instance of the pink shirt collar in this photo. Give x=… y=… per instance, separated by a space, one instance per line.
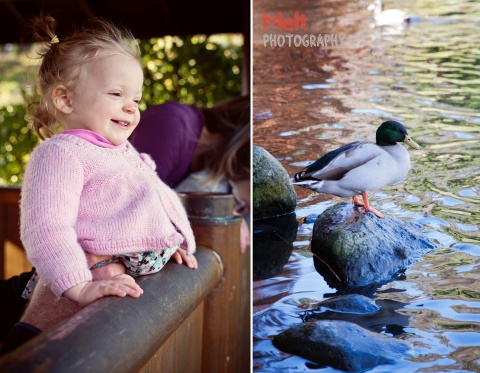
x=94 y=138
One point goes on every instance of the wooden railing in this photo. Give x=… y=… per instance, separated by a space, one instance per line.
x=186 y=320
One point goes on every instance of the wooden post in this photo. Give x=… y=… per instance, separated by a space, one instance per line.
x=226 y=336
x=12 y=256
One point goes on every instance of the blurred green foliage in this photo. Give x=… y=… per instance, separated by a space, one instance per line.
x=16 y=142
x=196 y=70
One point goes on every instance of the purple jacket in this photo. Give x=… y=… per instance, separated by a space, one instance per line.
x=169 y=133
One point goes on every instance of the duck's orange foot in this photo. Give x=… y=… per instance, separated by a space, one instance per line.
x=356 y=202
x=370 y=208
x=375 y=211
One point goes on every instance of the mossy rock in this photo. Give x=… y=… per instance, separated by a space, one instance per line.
x=273 y=193
x=353 y=248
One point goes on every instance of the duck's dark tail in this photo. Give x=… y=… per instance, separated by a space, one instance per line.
x=299 y=176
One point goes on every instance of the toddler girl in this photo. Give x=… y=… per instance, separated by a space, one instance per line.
x=87 y=189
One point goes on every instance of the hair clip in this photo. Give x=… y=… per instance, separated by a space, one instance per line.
x=54 y=40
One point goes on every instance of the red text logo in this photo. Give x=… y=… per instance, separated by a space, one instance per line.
x=295 y=23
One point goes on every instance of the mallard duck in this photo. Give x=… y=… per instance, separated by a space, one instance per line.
x=387 y=17
x=362 y=166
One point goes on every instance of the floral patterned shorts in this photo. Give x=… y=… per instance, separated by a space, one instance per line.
x=137 y=264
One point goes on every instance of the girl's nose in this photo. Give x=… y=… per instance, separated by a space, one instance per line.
x=130 y=107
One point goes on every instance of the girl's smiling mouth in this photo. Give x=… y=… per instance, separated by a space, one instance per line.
x=121 y=123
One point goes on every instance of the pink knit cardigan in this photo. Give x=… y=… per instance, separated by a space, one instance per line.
x=78 y=197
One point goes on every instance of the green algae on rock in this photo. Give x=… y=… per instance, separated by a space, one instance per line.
x=352 y=248
x=273 y=193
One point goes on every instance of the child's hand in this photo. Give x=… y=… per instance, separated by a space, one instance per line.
x=244 y=230
x=181 y=256
x=244 y=236
x=88 y=292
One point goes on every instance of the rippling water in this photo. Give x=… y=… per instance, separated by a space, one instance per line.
x=307 y=102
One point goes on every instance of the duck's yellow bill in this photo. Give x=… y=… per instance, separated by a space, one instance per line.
x=411 y=143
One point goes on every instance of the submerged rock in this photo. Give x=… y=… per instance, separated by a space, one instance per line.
x=341 y=345
x=273 y=193
x=310 y=219
x=343 y=307
x=353 y=249
x=351 y=303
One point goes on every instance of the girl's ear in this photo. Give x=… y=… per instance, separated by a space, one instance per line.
x=61 y=98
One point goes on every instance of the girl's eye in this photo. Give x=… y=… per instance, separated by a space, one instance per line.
x=136 y=101
x=118 y=94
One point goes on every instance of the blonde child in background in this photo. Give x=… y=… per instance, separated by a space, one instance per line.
x=201 y=149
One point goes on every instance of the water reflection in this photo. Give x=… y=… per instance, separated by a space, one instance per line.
x=425 y=76
x=273 y=245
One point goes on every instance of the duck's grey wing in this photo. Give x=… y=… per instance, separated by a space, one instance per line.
x=335 y=164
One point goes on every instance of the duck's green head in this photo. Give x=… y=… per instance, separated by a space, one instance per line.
x=391 y=132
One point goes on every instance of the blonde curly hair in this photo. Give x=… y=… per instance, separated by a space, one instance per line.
x=65 y=56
